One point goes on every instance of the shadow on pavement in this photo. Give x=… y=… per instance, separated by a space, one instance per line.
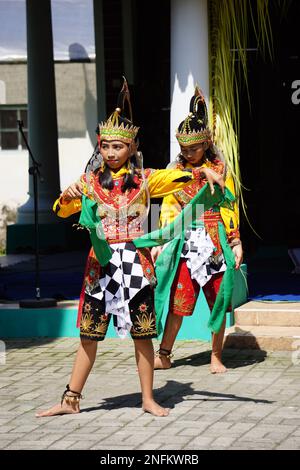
x=23 y=343
x=170 y=395
x=231 y=358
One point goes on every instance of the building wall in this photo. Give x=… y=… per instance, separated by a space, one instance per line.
x=77 y=120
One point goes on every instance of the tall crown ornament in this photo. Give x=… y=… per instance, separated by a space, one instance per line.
x=194 y=129
x=117 y=126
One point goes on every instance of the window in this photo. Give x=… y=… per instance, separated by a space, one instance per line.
x=10 y=137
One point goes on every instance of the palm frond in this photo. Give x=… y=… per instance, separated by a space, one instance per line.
x=230 y=21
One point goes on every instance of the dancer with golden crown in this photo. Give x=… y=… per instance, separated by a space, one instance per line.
x=113 y=197
x=202 y=263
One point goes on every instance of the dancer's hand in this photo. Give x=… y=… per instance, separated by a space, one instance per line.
x=155 y=252
x=213 y=177
x=238 y=254
x=74 y=191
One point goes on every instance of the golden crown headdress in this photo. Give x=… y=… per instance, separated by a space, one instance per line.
x=118 y=127
x=194 y=129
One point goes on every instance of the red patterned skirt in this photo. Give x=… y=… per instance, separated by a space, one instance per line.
x=185 y=291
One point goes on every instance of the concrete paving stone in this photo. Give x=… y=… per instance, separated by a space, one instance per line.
x=53 y=445
x=176 y=440
x=238 y=429
x=4 y=384
x=169 y=447
x=198 y=414
x=223 y=442
x=85 y=432
x=44 y=431
x=263 y=430
x=200 y=442
x=144 y=420
x=289 y=444
x=210 y=415
x=291 y=421
x=227 y=405
x=147 y=446
x=237 y=416
x=60 y=445
x=100 y=446
x=172 y=430
x=221 y=426
x=6 y=372
x=139 y=439
x=259 y=414
x=114 y=440
x=83 y=436
x=22 y=376
x=81 y=445
x=7 y=414
x=11 y=407
x=5 y=422
x=263 y=381
x=40 y=435
x=271 y=419
x=25 y=429
x=5 y=442
x=5 y=400
x=194 y=431
x=100 y=418
x=192 y=414
x=25 y=446
x=159 y=422
x=30 y=396
x=287 y=394
x=256 y=444
x=278 y=437
x=12 y=437
x=238 y=447
x=23 y=420
x=287 y=412
x=44 y=439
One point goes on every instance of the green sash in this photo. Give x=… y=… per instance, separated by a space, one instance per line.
x=167 y=262
x=90 y=219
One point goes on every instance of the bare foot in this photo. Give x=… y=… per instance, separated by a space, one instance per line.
x=216 y=366
x=59 y=410
x=154 y=408
x=162 y=362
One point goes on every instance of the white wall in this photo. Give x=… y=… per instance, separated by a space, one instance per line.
x=74 y=153
x=73 y=157
x=13 y=177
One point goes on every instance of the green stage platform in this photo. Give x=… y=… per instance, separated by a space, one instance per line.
x=16 y=322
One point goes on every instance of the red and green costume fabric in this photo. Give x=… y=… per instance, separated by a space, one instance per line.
x=168 y=261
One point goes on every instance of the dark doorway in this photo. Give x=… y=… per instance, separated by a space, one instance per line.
x=152 y=93
x=269 y=158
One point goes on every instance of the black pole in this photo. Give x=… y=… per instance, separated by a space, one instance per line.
x=34 y=170
x=36 y=233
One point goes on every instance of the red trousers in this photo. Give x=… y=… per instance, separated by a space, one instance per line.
x=185 y=291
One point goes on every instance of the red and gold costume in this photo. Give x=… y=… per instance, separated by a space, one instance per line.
x=122 y=215
x=185 y=290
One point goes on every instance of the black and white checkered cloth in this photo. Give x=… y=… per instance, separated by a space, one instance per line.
x=198 y=251
x=120 y=281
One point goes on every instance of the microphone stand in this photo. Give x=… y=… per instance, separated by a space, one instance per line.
x=34 y=170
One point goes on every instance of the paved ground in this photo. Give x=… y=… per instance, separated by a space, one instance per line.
x=255 y=405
